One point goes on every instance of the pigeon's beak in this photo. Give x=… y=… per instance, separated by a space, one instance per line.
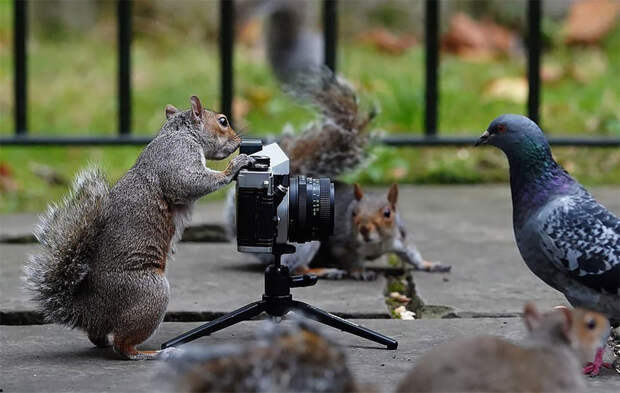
x=484 y=138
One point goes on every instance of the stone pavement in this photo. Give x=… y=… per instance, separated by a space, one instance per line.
x=468 y=227
x=52 y=359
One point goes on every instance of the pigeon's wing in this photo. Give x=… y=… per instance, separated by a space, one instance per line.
x=582 y=238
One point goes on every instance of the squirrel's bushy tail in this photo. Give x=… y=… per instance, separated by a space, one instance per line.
x=67 y=234
x=336 y=143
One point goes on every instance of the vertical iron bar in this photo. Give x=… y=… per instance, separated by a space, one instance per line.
x=20 y=31
x=533 y=61
x=124 y=66
x=330 y=32
x=432 y=66
x=227 y=38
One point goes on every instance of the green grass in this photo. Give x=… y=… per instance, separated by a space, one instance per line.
x=72 y=91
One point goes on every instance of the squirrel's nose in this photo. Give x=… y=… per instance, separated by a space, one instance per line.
x=365 y=231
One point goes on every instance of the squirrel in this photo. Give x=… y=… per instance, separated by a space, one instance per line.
x=104 y=250
x=331 y=146
x=292 y=45
x=370 y=226
x=283 y=358
x=549 y=360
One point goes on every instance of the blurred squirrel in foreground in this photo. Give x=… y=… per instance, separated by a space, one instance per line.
x=298 y=359
x=283 y=358
x=104 y=250
x=368 y=226
x=549 y=360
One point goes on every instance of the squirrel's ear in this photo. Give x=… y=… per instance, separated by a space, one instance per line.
x=567 y=322
x=170 y=110
x=359 y=194
x=196 y=107
x=393 y=194
x=531 y=316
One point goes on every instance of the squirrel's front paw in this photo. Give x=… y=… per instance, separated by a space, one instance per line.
x=238 y=163
x=363 y=275
x=435 y=267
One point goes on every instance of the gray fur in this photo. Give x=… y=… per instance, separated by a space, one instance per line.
x=337 y=142
x=294 y=358
x=347 y=249
x=67 y=234
x=105 y=251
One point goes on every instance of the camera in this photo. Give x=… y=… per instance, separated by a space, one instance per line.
x=274 y=207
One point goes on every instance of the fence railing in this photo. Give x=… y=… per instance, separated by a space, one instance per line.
x=431 y=136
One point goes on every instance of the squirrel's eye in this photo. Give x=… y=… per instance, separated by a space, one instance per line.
x=386 y=213
x=223 y=122
x=354 y=213
x=591 y=324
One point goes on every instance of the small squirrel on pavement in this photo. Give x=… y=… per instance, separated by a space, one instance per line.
x=369 y=226
x=102 y=264
x=549 y=361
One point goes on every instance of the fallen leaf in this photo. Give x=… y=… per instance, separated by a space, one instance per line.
x=590 y=20
x=513 y=89
x=403 y=313
x=250 y=32
x=399 y=297
x=588 y=64
x=7 y=183
x=477 y=40
x=551 y=72
x=388 y=42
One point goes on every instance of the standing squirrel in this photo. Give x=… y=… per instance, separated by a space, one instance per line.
x=282 y=358
x=104 y=250
x=549 y=361
x=331 y=146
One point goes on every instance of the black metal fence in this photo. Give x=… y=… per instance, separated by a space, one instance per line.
x=431 y=136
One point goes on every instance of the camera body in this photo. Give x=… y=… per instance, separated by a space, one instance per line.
x=274 y=207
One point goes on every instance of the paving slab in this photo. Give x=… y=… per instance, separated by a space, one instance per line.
x=51 y=358
x=213 y=278
x=469 y=227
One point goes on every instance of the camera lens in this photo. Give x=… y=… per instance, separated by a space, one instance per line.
x=311 y=209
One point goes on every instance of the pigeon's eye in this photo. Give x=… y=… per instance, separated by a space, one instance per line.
x=500 y=128
x=387 y=212
x=591 y=324
x=223 y=121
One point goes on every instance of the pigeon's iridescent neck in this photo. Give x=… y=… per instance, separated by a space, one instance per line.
x=535 y=178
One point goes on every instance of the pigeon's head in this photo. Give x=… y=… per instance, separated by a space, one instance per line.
x=512 y=132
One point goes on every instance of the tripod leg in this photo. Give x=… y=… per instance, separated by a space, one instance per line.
x=239 y=315
x=342 y=324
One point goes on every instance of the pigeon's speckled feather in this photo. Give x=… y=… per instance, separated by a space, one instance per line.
x=564 y=235
x=579 y=236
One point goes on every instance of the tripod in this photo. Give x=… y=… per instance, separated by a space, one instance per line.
x=278 y=301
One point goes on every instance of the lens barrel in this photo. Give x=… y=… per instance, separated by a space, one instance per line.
x=311 y=209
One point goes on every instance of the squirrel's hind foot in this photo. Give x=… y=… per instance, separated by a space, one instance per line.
x=131 y=353
x=434 y=267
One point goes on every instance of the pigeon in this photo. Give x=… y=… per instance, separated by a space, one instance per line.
x=564 y=235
